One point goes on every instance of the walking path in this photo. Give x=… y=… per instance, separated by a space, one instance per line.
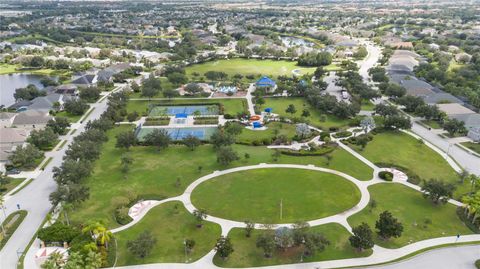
x=251 y=107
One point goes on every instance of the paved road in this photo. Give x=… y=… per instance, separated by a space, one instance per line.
x=35 y=199
x=370 y=61
x=445 y=258
x=467 y=161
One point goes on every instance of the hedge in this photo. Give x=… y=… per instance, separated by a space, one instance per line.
x=342 y=134
x=58 y=232
x=385 y=175
x=10 y=229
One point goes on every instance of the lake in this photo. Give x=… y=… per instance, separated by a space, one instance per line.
x=295 y=41
x=10 y=82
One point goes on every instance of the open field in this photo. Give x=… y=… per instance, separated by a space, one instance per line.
x=274 y=129
x=401 y=149
x=280 y=104
x=153 y=173
x=245 y=67
x=421 y=219
x=246 y=253
x=170 y=224
x=275 y=195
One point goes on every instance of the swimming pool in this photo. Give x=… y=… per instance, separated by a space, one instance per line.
x=190 y=110
x=202 y=133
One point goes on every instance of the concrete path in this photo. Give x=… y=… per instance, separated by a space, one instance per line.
x=249 y=97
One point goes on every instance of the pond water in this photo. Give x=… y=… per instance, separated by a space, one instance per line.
x=10 y=82
x=295 y=41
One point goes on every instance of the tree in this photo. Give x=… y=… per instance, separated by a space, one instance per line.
x=392 y=90
x=191 y=142
x=362 y=237
x=126 y=160
x=226 y=155
x=319 y=72
x=259 y=102
x=224 y=247
x=386 y=110
x=378 y=74
x=266 y=241
x=437 y=191
x=142 y=245
x=132 y=116
x=233 y=128
x=177 y=78
x=126 y=140
x=387 y=226
x=249 y=226
x=411 y=102
x=291 y=109
x=72 y=170
x=314 y=242
x=189 y=244
x=59 y=125
x=302 y=130
x=305 y=113
x=193 y=88
x=221 y=139
x=98 y=232
x=56 y=260
x=43 y=138
x=454 y=126
x=151 y=86
x=397 y=122
x=472 y=205
x=158 y=138
x=25 y=156
x=200 y=215
x=76 y=106
x=70 y=193
x=90 y=94
x=28 y=93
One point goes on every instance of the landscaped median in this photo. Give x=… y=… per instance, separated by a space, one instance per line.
x=10 y=225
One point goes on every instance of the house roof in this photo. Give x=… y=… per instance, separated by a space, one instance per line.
x=13 y=135
x=84 y=80
x=20 y=104
x=6 y=115
x=470 y=120
x=31 y=117
x=454 y=109
x=46 y=102
x=441 y=97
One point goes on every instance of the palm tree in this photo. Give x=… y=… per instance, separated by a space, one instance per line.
x=93 y=260
x=99 y=233
x=472 y=205
x=66 y=208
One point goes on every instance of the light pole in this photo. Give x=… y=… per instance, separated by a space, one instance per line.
x=303 y=251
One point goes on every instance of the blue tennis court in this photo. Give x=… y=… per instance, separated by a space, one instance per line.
x=202 y=133
x=189 y=110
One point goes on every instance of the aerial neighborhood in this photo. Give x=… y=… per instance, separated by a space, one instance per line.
x=239 y=134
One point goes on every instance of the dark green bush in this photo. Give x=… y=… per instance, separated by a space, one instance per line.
x=385 y=175
x=58 y=232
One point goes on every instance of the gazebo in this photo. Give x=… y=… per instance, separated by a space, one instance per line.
x=265 y=82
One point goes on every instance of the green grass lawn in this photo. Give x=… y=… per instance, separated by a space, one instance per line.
x=404 y=150
x=256 y=195
x=170 y=224
x=421 y=219
x=246 y=254
x=473 y=146
x=14 y=182
x=279 y=106
x=245 y=67
x=72 y=118
x=367 y=105
x=274 y=129
x=153 y=174
x=432 y=124
x=231 y=106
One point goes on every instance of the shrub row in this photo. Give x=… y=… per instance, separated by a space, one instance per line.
x=385 y=175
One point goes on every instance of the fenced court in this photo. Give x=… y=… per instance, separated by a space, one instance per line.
x=189 y=110
x=202 y=133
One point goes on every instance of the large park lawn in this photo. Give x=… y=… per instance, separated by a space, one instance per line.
x=153 y=173
x=421 y=219
x=279 y=105
x=231 y=106
x=246 y=253
x=245 y=67
x=403 y=150
x=170 y=224
x=280 y=195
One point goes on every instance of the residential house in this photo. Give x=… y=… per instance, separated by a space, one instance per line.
x=49 y=102
x=31 y=119
x=87 y=80
x=474 y=134
x=10 y=138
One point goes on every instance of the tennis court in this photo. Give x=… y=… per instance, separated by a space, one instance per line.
x=190 y=110
x=202 y=133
